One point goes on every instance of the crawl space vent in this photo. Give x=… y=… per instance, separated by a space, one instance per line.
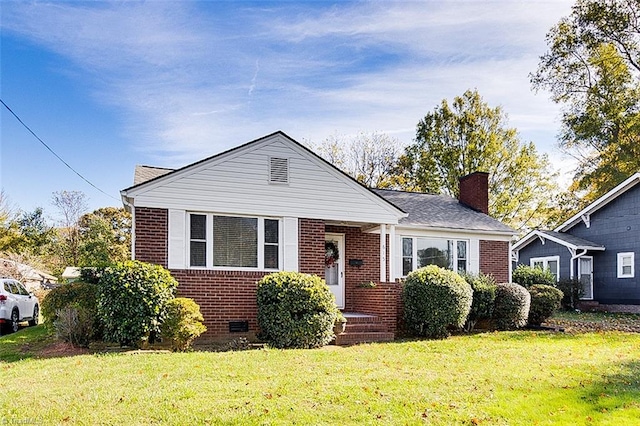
x=279 y=170
x=238 y=326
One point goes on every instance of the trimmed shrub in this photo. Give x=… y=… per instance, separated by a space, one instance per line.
x=74 y=325
x=435 y=299
x=295 y=310
x=92 y=274
x=132 y=302
x=183 y=323
x=572 y=292
x=81 y=297
x=511 y=308
x=484 y=295
x=527 y=276
x=545 y=300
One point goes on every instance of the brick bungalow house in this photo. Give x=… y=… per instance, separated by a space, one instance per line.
x=222 y=223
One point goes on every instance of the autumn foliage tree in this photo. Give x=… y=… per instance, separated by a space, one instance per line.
x=466 y=136
x=592 y=69
x=105 y=236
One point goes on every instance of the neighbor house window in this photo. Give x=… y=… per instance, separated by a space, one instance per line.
x=234 y=242
x=418 y=252
x=551 y=263
x=626 y=265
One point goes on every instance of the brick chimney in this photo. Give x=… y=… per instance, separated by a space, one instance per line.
x=474 y=191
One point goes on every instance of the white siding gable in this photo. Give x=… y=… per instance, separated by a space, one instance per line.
x=239 y=182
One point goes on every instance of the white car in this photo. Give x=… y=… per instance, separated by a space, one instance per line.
x=16 y=305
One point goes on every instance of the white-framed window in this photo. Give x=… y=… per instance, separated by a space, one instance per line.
x=626 y=267
x=422 y=251
x=552 y=263
x=234 y=242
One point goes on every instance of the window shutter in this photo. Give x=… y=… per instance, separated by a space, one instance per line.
x=474 y=255
x=177 y=232
x=290 y=225
x=278 y=170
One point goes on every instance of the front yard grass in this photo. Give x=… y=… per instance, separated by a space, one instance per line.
x=510 y=378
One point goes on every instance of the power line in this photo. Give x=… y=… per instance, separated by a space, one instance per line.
x=54 y=153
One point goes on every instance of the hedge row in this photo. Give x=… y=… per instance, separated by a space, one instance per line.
x=127 y=303
x=437 y=300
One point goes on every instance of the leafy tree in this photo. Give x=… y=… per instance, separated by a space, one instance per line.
x=10 y=238
x=592 y=68
x=36 y=232
x=369 y=158
x=105 y=236
x=467 y=136
x=71 y=206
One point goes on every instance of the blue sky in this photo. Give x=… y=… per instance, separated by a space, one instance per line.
x=109 y=85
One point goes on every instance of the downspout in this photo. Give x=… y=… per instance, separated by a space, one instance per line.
x=512 y=255
x=133 y=226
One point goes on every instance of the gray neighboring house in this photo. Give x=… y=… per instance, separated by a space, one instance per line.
x=600 y=246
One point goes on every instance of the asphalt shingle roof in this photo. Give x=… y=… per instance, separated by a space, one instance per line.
x=145 y=173
x=440 y=211
x=571 y=240
x=435 y=211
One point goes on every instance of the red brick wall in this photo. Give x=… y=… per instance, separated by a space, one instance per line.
x=311 y=246
x=494 y=259
x=152 y=232
x=223 y=296
x=381 y=301
x=474 y=191
x=226 y=296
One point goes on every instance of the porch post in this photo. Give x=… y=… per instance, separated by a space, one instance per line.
x=383 y=253
x=392 y=253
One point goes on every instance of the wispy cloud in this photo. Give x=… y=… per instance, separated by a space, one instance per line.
x=186 y=74
x=254 y=78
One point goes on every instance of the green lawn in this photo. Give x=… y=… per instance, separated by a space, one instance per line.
x=510 y=378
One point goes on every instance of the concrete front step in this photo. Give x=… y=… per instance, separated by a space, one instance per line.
x=361 y=318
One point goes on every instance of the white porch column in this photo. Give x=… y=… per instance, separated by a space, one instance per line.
x=383 y=253
x=392 y=253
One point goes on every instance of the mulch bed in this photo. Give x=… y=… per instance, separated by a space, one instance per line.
x=58 y=349
x=628 y=324
x=625 y=324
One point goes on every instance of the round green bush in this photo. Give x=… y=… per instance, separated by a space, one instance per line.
x=132 y=302
x=545 y=300
x=435 y=299
x=511 y=308
x=183 y=323
x=484 y=295
x=295 y=310
x=527 y=276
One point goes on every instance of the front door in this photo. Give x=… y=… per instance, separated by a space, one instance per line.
x=585 y=272
x=334 y=266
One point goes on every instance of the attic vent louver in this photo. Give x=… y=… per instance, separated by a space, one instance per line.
x=279 y=170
